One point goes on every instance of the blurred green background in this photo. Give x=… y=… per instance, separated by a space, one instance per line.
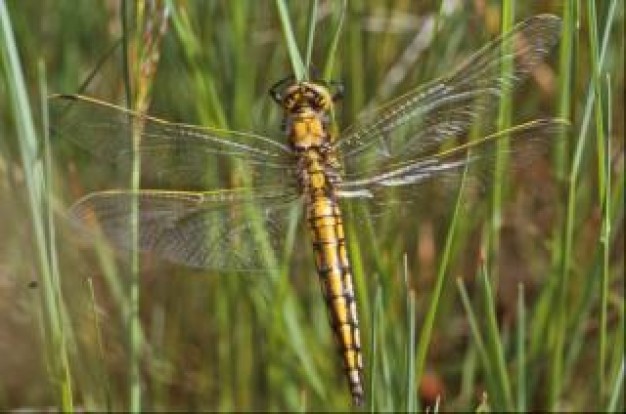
x=546 y=332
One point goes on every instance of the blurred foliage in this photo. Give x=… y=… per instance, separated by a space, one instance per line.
x=227 y=342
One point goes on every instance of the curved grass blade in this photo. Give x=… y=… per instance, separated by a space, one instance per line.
x=297 y=64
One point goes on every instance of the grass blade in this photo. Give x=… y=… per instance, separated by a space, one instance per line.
x=521 y=351
x=494 y=345
x=504 y=122
x=332 y=50
x=474 y=328
x=410 y=382
x=297 y=64
x=36 y=188
x=429 y=320
x=311 y=34
x=618 y=389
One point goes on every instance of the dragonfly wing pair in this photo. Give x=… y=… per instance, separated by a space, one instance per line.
x=397 y=147
x=234 y=231
x=177 y=220
x=400 y=143
x=416 y=139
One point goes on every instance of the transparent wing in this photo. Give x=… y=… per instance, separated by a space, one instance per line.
x=173 y=156
x=444 y=169
x=428 y=117
x=224 y=230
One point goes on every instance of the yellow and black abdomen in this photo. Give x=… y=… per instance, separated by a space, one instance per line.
x=333 y=267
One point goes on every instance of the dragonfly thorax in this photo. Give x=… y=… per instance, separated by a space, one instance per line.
x=306 y=106
x=307 y=129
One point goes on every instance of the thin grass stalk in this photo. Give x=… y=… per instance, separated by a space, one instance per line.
x=503 y=123
x=311 y=34
x=474 y=329
x=596 y=77
x=494 y=344
x=521 y=351
x=297 y=64
x=568 y=49
x=49 y=186
x=296 y=340
x=373 y=372
x=602 y=142
x=103 y=378
x=618 y=389
x=356 y=59
x=543 y=314
x=229 y=327
x=468 y=378
x=233 y=375
x=615 y=299
x=332 y=49
x=51 y=235
x=605 y=245
x=35 y=185
x=140 y=70
x=134 y=323
x=566 y=85
x=411 y=394
x=386 y=398
x=429 y=321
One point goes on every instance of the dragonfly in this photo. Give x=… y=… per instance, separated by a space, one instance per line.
x=391 y=151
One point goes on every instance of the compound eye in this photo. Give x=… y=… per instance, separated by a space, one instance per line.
x=276 y=96
x=288 y=102
x=316 y=99
x=320 y=102
x=312 y=101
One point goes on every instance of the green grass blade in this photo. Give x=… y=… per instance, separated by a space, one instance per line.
x=373 y=351
x=566 y=79
x=297 y=64
x=504 y=122
x=35 y=185
x=521 y=351
x=494 y=344
x=429 y=320
x=604 y=176
x=410 y=387
x=618 y=389
x=103 y=378
x=334 y=44
x=134 y=323
x=474 y=328
x=311 y=34
x=51 y=248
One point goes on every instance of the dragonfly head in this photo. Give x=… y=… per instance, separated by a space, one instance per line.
x=296 y=96
x=306 y=95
